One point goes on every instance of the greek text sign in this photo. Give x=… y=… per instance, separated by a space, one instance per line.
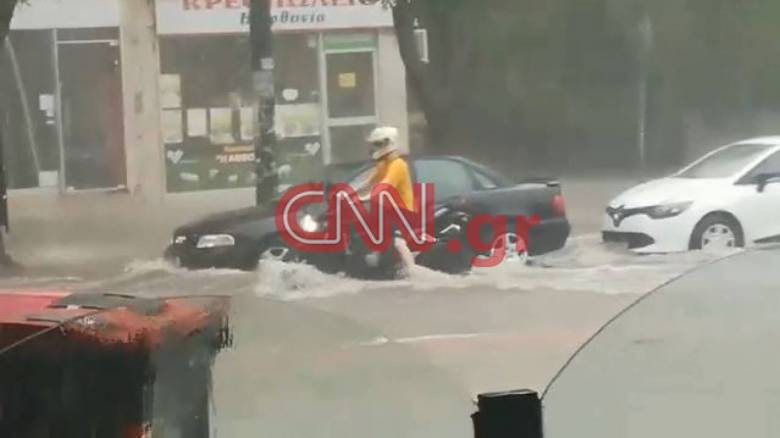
x=232 y=16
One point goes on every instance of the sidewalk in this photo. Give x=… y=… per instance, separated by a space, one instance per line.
x=97 y=233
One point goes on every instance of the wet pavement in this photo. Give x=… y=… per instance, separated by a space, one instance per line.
x=697 y=358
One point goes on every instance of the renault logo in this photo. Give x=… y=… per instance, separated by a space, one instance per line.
x=617 y=214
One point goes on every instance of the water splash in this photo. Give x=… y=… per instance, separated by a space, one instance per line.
x=584 y=265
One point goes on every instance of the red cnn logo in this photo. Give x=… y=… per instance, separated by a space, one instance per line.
x=375 y=226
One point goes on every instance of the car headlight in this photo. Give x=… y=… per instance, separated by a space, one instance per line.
x=309 y=224
x=668 y=210
x=216 y=241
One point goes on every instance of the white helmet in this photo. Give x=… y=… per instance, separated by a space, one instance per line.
x=384 y=141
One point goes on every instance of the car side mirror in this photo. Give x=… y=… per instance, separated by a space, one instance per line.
x=764 y=179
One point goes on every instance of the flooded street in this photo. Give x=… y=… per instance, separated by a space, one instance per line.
x=183 y=183
x=354 y=354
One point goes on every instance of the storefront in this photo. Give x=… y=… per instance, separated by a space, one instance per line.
x=338 y=74
x=61 y=95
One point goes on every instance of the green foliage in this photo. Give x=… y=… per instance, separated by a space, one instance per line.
x=556 y=80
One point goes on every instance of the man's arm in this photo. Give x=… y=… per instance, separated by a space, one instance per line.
x=397 y=171
x=365 y=186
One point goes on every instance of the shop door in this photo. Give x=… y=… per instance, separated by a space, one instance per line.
x=91 y=106
x=351 y=103
x=27 y=88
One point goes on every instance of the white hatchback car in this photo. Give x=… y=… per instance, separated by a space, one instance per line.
x=729 y=198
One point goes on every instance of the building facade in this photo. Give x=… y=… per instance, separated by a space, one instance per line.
x=157 y=97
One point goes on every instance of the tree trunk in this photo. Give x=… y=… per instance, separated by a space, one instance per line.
x=431 y=93
x=262 y=60
x=6 y=13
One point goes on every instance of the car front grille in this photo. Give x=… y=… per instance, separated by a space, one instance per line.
x=634 y=240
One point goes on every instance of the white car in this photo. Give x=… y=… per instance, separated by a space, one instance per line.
x=729 y=198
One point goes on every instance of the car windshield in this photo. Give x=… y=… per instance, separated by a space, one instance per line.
x=726 y=162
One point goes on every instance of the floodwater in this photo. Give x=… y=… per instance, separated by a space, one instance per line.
x=320 y=355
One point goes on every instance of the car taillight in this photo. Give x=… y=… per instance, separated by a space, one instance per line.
x=558 y=205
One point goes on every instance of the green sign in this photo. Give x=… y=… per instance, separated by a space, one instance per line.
x=349 y=41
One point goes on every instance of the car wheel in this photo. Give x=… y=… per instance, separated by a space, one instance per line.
x=171 y=257
x=717 y=232
x=513 y=246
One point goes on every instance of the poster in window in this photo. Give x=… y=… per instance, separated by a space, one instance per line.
x=347 y=80
x=247 y=124
x=170 y=91
x=172 y=126
x=298 y=120
x=221 y=129
x=207 y=167
x=197 y=123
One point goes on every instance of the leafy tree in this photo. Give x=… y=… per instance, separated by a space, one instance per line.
x=437 y=82
x=555 y=82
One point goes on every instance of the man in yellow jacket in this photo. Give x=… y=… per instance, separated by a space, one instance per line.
x=392 y=170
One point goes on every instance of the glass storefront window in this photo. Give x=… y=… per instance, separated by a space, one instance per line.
x=350 y=79
x=30 y=137
x=208 y=116
x=351 y=84
x=92 y=137
x=298 y=110
x=205 y=99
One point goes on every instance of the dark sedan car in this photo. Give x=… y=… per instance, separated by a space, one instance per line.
x=239 y=239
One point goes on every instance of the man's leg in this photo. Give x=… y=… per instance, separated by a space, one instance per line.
x=407 y=258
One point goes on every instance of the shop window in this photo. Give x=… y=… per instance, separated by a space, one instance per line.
x=351 y=84
x=208 y=120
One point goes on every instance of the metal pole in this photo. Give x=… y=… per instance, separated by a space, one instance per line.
x=262 y=58
x=646 y=46
x=58 y=108
x=642 y=119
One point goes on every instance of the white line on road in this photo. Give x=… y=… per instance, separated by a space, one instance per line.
x=383 y=340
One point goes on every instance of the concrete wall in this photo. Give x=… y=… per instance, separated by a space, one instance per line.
x=140 y=75
x=392 y=86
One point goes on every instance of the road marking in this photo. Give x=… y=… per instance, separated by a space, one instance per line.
x=383 y=340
